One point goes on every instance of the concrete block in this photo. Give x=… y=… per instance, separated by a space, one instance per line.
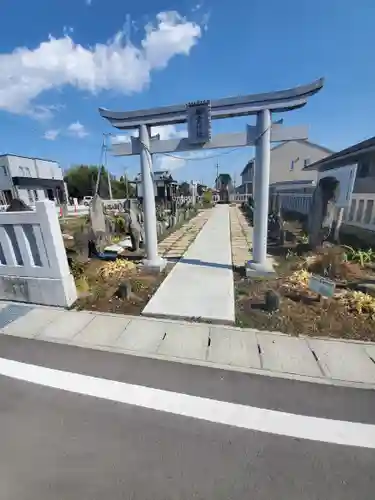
x=67 y=326
x=43 y=291
x=287 y=354
x=102 y=330
x=344 y=361
x=233 y=347
x=185 y=341
x=33 y=322
x=142 y=335
x=126 y=243
x=113 y=248
x=257 y=270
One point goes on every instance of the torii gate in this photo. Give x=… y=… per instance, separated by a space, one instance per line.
x=198 y=116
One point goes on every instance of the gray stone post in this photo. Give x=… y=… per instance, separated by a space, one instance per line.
x=151 y=241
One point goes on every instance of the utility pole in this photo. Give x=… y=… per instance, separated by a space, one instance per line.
x=103 y=164
x=217 y=175
x=126 y=184
x=108 y=173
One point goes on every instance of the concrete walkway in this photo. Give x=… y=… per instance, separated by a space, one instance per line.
x=327 y=361
x=201 y=284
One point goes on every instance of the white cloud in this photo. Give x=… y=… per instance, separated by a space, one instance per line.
x=165 y=132
x=51 y=135
x=168 y=132
x=77 y=130
x=43 y=112
x=169 y=163
x=117 y=65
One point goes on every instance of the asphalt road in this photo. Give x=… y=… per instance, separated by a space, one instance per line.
x=56 y=444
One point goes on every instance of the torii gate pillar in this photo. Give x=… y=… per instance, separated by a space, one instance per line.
x=261 y=193
x=152 y=260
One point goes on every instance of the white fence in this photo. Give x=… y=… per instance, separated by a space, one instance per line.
x=238 y=198
x=360 y=214
x=33 y=262
x=72 y=210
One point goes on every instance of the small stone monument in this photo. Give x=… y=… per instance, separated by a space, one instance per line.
x=135 y=229
x=99 y=224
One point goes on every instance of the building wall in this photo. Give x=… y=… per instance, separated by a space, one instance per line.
x=28 y=167
x=247 y=175
x=5 y=178
x=365 y=179
x=31 y=195
x=288 y=160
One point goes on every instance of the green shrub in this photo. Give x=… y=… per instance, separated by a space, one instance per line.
x=207 y=197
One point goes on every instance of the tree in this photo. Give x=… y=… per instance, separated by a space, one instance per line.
x=122 y=188
x=81 y=181
x=184 y=189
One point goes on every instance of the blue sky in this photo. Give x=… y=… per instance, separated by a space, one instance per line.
x=62 y=59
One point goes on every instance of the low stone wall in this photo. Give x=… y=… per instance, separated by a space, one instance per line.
x=173 y=221
x=33 y=263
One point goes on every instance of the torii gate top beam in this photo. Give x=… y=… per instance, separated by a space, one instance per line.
x=283 y=100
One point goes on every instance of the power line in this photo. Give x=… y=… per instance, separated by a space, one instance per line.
x=202 y=158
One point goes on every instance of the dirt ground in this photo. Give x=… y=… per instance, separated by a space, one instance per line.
x=301 y=311
x=98 y=293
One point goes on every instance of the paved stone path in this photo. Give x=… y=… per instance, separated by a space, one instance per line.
x=241 y=236
x=249 y=350
x=201 y=284
x=175 y=245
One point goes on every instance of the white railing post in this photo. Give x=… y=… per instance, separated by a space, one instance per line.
x=53 y=239
x=56 y=253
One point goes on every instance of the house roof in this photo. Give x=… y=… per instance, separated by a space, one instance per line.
x=224 y=178
x=27 y=157
x=347 y=156
x=158 y=176
x=281 y=144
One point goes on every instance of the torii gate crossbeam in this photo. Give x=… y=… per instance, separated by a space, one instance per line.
x=198 y=116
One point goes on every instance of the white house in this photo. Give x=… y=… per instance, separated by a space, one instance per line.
x=30 y=179
x=288 y=160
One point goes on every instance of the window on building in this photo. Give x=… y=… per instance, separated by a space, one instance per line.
x=306 y=162
x=28 y=173
x=363 y=169
x=50 y=194
x=292 y=165
x=8 y=196
x=30 y=196
x=36 y=196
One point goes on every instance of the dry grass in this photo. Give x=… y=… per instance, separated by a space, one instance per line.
x=116 y=269
x=349 y=314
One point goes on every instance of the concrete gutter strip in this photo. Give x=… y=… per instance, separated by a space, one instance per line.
x=318 y=360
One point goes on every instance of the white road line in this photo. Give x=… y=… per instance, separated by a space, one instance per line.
x=236 y=415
